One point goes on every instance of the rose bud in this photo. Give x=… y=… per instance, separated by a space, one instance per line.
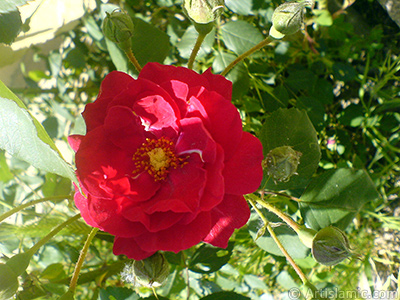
x=281 y=163
x=203 y=12
x=330 y=246
x=118 y=28
x=287 y=19
x=149 y=272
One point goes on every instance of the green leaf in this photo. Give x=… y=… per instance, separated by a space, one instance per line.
x=242 y=7
x=10 y=25
x=278 y=98
x=8 y=282
x=10 y=5
x=117 y=293
x=118 y=57
x=240 y=36
x=10 y=20
x=208 y=259
x=56 y=186
x=5 y=173
x=323 y=17
x=185 y=45
x=23 y=136
x=343 y=71
x=335 y=197
x=286 y=235
x=225 y=296
x=291 y=127
x=53 y=271
x=238 y=75
x=149 y=44
x=302 y=79
x=19 y=262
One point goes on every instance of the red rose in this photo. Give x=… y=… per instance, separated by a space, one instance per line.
x=165 y=163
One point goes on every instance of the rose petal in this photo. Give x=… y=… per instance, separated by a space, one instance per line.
x=75 y=141
x=161 y=74
x=124 y=129
x=98 y=160
x=107 y=214
x=243 y=172
x=219 y=84
x=112 y=85
x=220 y=117
x=178 y=237
x=194 y=138
x=232 y=213
x=215 y=188
x=82 y=204
x=129 y=247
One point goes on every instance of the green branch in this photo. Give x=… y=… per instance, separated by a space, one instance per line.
x=53 y=233
x=246 y=54
x=34 y=202
x=196 y=48
x=81 y=259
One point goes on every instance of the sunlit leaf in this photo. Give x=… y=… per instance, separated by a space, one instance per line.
x=335 y=197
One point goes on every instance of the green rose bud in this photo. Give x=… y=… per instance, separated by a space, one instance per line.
x=149 y=272
x=331 y=246
x=281 y=163
x=118 y=28
x=287 y=19
x=203 y=12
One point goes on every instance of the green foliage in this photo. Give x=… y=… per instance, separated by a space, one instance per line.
x=10 y=20
x=291 y=128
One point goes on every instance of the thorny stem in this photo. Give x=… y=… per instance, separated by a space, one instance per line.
x=196 y=48
x=282 y=248
x=246 y=54
x=30 y=203
x=81 y=259
x=133 y=60
x=53 y=233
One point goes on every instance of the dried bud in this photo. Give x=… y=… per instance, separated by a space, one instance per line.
x=281 y=163
x=118 y=28
x=330 y=246
x=203 y=12
x=287 y=19
x=149 y=272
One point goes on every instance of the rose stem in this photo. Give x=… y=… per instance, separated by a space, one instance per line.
x=33 y=202
x=53 y=233
x=154 y=292
x=288 y=220
x=282 y=195
x=133 y=60
x=282 y=248
x=82 y=255
x=246 y=54
x=196 y=48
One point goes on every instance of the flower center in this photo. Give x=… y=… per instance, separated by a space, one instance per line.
x=156 y=157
